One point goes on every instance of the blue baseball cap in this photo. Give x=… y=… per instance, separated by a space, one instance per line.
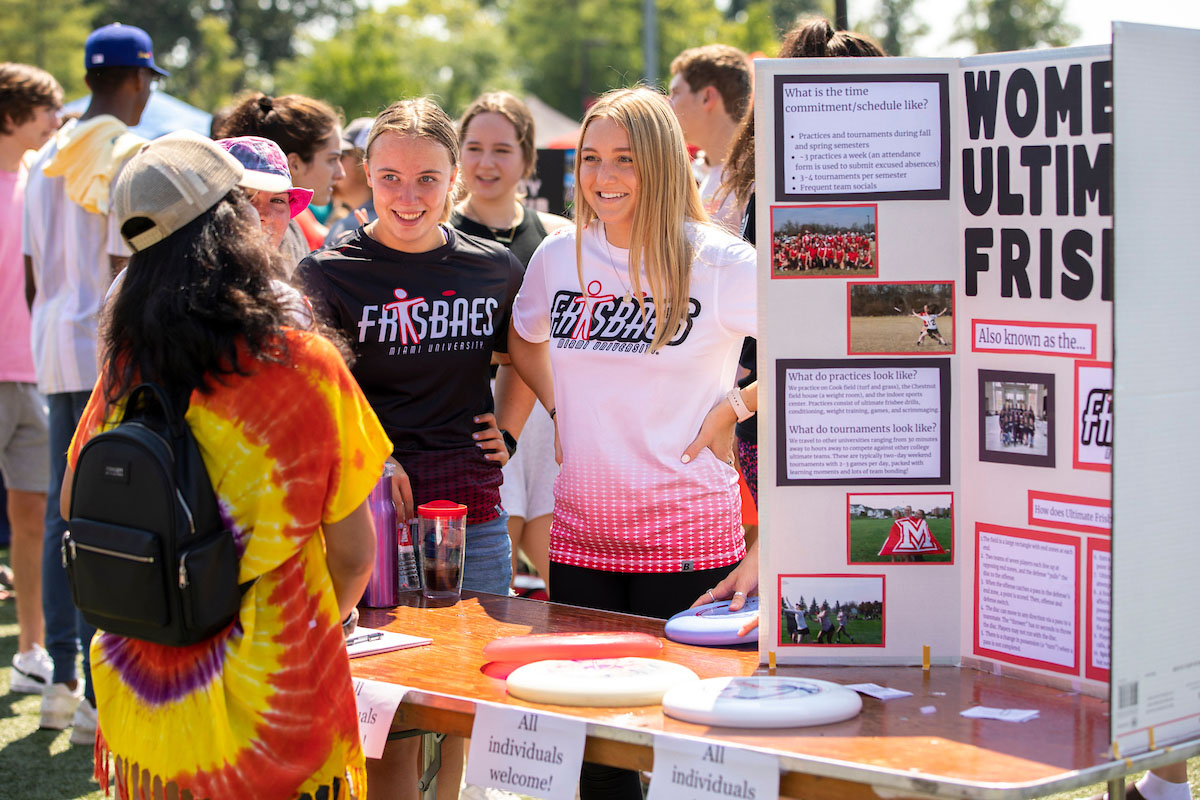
x=118 y=45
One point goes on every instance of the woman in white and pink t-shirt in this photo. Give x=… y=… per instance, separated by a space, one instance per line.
x=629 y=395
x=630 y=361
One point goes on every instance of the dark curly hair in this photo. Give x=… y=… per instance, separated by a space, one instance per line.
x=194 y=306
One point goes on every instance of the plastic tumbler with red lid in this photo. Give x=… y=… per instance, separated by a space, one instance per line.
x=442 y=532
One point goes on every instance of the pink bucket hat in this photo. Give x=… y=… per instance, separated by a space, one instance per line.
x=266 y=169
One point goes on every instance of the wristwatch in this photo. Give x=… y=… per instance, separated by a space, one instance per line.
x=510 y=442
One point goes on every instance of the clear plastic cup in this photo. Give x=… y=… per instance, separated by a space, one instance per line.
x=442 y=543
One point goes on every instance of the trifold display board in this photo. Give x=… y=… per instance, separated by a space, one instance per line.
x=939 y=266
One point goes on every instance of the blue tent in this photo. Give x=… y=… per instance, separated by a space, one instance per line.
x=163 y=114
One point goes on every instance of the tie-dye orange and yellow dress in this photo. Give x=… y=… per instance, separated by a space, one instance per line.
x=265 y=709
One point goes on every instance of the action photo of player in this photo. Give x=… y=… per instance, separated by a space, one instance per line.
x=930 y=319
x=881 y=317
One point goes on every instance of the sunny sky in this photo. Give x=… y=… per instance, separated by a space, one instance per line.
x=1093 y=17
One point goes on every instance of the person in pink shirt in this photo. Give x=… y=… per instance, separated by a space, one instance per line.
x=30 y=100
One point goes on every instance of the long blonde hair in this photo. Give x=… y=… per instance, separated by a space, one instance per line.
x=666 y=199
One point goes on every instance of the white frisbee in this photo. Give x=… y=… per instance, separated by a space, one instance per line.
x=598 y=681
x=713 y=624
x=762 y=702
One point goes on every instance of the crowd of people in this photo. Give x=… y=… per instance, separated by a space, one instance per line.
x=313 y=348
x=802 y=252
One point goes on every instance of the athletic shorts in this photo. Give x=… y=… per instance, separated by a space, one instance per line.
x=528 y=488
x=24 y=438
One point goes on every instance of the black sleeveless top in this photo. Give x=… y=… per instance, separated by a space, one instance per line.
x=524 y=238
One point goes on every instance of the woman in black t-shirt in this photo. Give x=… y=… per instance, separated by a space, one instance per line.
x=496 y=137
x=497 y=140
x=424 y=307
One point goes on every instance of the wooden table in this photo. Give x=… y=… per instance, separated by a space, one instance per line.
x=891 y=746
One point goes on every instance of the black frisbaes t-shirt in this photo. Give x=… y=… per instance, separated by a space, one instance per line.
x=423 y=327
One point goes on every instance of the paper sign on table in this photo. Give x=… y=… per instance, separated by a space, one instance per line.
x=527 y=752
x=377 y=703
x=875 y=690
x=1003 y=714
x=692 y=769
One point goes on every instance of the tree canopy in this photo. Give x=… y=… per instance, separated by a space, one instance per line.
x=451 y=50
x=994 y=26
x=362 y=54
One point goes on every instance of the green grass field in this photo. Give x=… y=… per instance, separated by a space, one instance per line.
x=43 y=764
x=868 y=535
x=897 y=334
x=864 y=632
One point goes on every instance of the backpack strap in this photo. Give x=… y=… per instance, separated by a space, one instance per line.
x=139 y=405
x=187 y=452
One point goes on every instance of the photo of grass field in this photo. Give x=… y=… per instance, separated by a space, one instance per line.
x=870 y=518
x=885 y=318
x=825 y=610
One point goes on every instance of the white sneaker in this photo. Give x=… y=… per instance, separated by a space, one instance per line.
x=32 y=671
x=83 y=726
x=59 y=703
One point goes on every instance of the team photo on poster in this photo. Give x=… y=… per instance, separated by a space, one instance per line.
x=831 y=609
x=1016 y=418
x=823 y=241
x=915 y=528
x=908 y=317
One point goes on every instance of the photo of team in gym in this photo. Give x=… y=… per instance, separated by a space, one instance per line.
x=1016 y=417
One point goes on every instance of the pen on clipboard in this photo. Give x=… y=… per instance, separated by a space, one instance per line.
x=366 y=637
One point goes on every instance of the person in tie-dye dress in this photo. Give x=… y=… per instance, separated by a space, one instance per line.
x=266 y=708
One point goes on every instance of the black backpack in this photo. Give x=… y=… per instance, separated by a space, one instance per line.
x=145 y=551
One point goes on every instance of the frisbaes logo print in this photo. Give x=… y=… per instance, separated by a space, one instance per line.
x=418 y=325
x=1096 y=427
x=602 y=321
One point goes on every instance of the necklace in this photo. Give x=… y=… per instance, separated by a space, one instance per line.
x=613 y=264
x=501 y=235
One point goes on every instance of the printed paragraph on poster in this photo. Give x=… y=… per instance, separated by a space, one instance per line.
x=854 y=422
x=1027 y=598
x=1100 y=587
x=860 y=137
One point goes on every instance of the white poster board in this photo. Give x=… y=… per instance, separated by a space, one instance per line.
x=1155 y=649
x=929 y=402
x=937 y=422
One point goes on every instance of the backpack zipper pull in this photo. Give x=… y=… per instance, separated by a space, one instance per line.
x=183 y=577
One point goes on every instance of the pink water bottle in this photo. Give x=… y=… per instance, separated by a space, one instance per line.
x=383 y=589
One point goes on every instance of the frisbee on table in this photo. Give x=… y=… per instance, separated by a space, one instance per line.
x=598 y=681
x=713 y=624
x=762 y=702
x=560 y=646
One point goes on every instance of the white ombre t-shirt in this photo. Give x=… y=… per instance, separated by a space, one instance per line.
x=624 y=502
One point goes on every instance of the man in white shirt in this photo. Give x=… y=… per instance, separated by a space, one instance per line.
x=73 y=248
x=710 y=92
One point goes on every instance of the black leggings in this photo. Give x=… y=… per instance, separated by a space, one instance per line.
x=650 y=594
